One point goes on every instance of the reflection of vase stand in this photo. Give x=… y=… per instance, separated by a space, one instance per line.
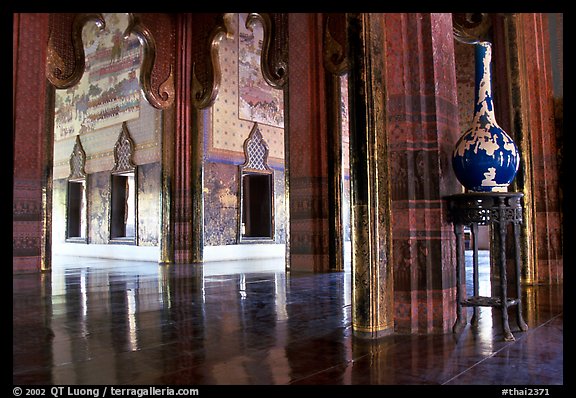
x=483 y=208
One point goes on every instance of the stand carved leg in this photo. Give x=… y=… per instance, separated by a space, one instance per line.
x=460 y=259
x=508 y=336
x=474 y=228
x=521 y=324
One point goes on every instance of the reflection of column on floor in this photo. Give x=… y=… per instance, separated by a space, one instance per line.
x=184 y=325
x=317 y=326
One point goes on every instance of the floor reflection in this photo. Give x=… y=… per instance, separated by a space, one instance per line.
x=95 y=321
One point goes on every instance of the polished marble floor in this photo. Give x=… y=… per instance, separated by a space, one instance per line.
x=111 y=322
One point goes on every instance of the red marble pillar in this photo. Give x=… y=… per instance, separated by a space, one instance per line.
x=308 y=157
x=538 y=112
x=31 y=143
x=422 y=116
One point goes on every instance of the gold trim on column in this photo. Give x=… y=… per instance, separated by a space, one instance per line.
x=287 y=177
x=335 y=183
x=372 y=266
x=47 y=181
x=335 y=58
x=197 y=185
x=167 y=183
x=517 y=77
x=55 y=64
x=336 y=64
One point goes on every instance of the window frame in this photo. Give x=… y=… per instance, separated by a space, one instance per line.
x=123 y=166
x=114 y=237
x=256 y=163
x=82 y=214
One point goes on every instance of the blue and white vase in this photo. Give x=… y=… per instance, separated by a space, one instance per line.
x=486 y=158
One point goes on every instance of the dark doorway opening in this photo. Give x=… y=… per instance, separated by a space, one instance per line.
x=257 y=196
x=76 y=208
x=123 y=207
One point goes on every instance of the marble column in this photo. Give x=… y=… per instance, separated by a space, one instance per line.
x=307 y=152
x=422 y=125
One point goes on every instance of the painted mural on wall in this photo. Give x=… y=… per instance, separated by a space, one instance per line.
x=258 y=102
x=109 y=91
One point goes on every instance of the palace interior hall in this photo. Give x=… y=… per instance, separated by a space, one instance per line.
x=288 y=199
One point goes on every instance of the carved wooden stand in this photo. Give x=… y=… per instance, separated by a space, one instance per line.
x=498 y=209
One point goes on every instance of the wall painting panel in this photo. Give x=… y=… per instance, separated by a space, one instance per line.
x=109 y=91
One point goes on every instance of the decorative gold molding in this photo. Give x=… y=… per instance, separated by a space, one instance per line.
x=519 y=108
x=203 y=97
x=277 y=75
x=55 y=64
x=335 y=57
x=164 y=98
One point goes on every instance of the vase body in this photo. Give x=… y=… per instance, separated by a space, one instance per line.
x=485 y=158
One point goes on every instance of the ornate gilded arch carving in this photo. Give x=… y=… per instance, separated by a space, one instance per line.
x=471 y=28
x=334 y=44
x=161 y=96
x=206 y=75
x=66 y=59
x=274 y=55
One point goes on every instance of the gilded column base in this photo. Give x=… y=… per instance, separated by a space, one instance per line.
x=372 y=333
